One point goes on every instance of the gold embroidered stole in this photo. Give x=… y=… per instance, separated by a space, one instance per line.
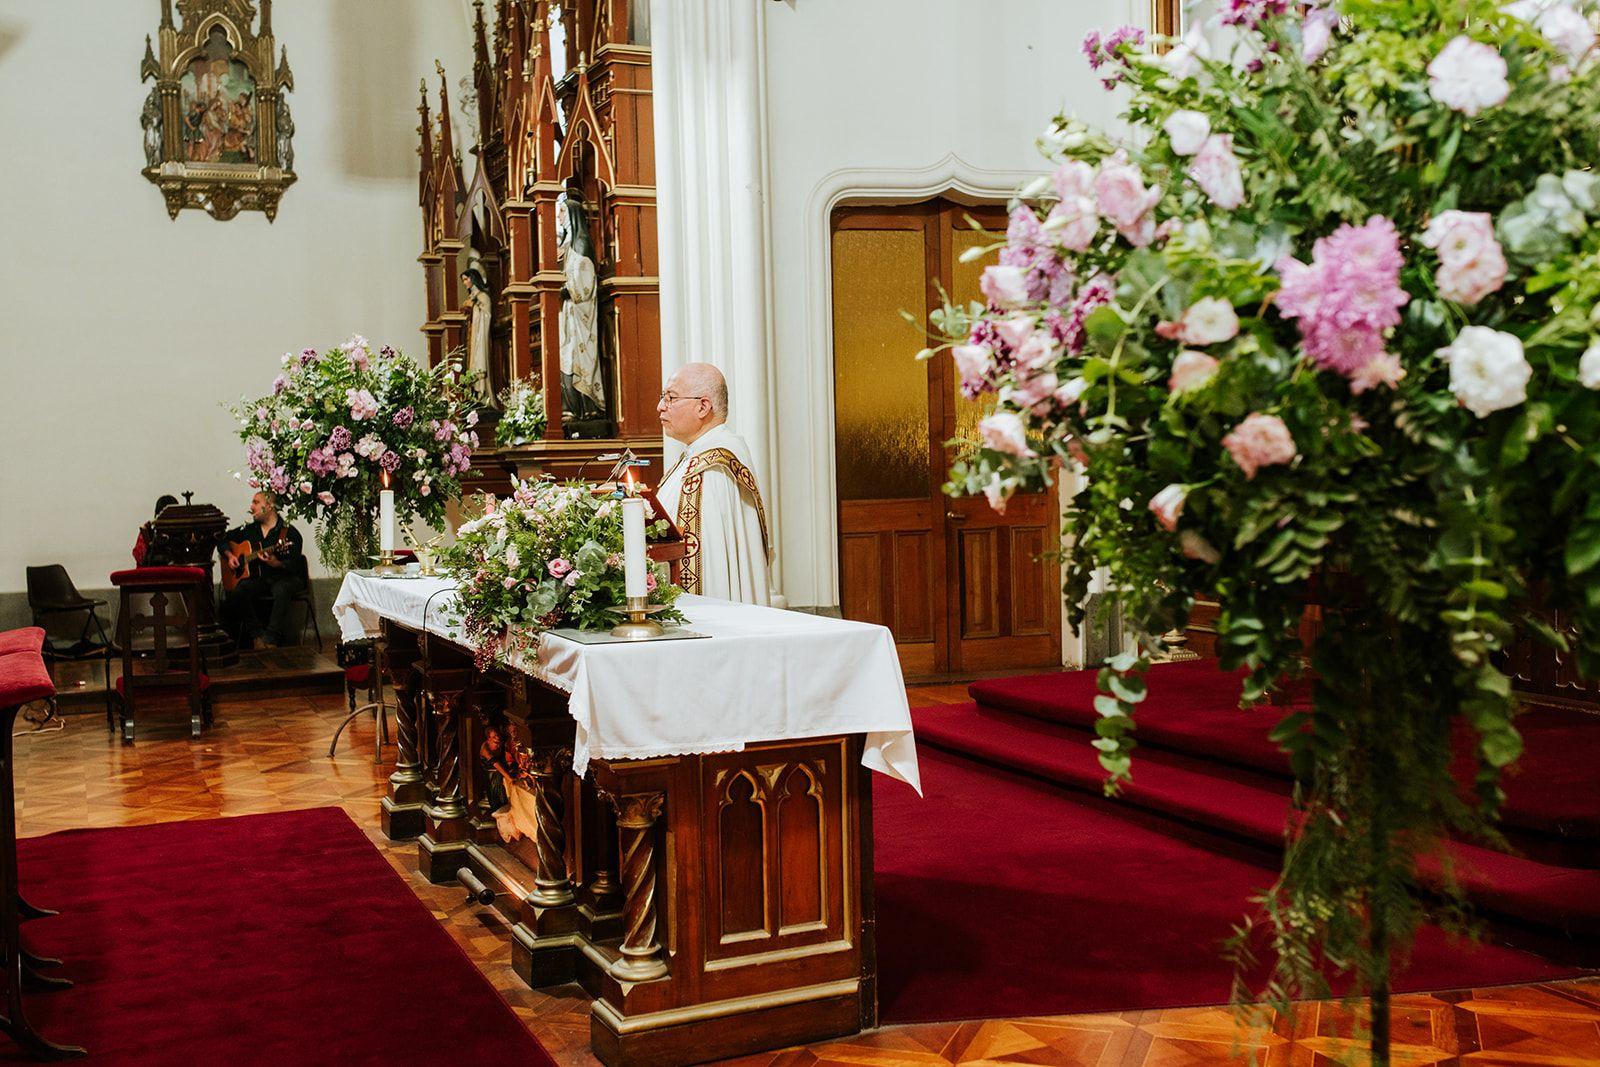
x=689 y=507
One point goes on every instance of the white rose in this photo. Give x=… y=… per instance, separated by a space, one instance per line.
x=1468 y=76
x=1071 y=391
x=1567 y=31
x=1004 y=432
x=1209 y=321
x=1167 y=506
x=1488 y=371
x=1183 y=59
x=1187 y=130
x=1589 y=368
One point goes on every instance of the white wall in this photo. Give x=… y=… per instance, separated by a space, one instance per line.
x=123 y=332
x=882 y=101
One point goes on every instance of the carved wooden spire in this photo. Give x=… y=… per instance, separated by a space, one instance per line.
x=483 y=75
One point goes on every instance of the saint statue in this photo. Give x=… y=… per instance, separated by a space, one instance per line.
x=151 y=121
x=480 y=308
x=583 y=395
x=285 y=131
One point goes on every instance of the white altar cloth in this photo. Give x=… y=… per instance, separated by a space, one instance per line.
x=763 y=675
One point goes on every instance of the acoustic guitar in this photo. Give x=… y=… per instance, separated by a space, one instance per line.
x=237 y=565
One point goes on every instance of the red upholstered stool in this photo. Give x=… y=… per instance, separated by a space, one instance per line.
x=23 y=679
x=176 y=664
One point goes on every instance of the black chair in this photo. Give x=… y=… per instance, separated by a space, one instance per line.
x=52 y=598
x=306 y=597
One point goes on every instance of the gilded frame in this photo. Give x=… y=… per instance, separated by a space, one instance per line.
x=217 y=128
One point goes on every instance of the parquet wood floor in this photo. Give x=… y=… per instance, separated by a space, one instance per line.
x=270 y=754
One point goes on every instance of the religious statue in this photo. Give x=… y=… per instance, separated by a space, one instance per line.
x=150 y=119
x=583 y=396
x=285 y=132
x=480 y=306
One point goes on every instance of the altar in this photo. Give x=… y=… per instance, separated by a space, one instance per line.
x=682 y=826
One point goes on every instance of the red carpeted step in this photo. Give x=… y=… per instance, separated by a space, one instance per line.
x=1553 y=793
x=1241 y=805
x=1000 y=895
x=1192 y=707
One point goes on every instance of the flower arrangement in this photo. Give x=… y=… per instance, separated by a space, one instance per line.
x=337 y=423
x=522 y=417
x=549 y=555
x=1323 y=325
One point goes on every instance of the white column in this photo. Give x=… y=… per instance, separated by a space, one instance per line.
x=708 y=96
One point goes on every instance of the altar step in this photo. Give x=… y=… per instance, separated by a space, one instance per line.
x=1210 y=776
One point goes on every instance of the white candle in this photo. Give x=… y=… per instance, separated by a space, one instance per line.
x=386 y=521
x=633 y=551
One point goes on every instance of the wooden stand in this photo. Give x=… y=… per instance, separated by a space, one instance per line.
x=711 y=905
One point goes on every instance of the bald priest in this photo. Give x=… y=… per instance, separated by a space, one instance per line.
x=711 y=493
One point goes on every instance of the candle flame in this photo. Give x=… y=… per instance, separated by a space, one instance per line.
x=385 y=475
x=627 y=476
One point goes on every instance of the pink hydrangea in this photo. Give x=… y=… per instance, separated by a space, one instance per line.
x=1347 y=295
x=1260 y=441
x=1251 y=13
x=1096 y=292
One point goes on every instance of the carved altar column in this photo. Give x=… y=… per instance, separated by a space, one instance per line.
x=446 y=831
x=402 y=807
x=641 y=958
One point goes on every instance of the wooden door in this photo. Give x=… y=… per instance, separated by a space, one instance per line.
x=962 y=588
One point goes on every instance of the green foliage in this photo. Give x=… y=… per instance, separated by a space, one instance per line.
x=1426 y=533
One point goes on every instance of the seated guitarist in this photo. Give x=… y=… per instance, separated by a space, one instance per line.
x=267 y=554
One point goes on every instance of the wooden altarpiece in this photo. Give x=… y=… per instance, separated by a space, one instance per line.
x=569 y=119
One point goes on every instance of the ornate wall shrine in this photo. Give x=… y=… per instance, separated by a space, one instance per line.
x=542 y=266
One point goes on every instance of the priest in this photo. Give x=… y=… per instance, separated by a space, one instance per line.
x=710 y=493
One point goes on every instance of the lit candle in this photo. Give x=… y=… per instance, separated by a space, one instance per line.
x=386 y=518
x=633 y=552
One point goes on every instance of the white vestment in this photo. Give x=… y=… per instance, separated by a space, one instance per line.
x=712 y=497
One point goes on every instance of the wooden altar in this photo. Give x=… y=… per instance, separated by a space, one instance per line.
x=711 y=905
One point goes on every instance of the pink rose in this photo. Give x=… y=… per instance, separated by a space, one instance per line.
x=1469 y=284
x=1468 y=76
x=1074 y=178
x=558 y=567
x=1123 y=197
x=1167 y=505
x=1316 y=33
x=1259 y=441
x=974 y=363
x=1005 y=287
x=1036 y=354
x=1191 y=370
x=1208 y=322
x=1075 y=222
x=1035 y=391
x=325 y=496
x=1216 y=171
x=1472 y=264
x=1004 y=432
x=650 y=583
x=1071 y=391
x=1014 y=330
x=1194 y=546
x=997 y=493
x=572 y=578
x=509 y=582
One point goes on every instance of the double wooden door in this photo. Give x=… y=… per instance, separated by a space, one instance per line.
x=962 y=588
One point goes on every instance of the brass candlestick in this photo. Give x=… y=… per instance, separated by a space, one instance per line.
x=638 y=625
x=387 y=565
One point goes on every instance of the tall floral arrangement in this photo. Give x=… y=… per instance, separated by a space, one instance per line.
x=549 y=555
x=338 y=423
x=1322 y=326
x=522 y=417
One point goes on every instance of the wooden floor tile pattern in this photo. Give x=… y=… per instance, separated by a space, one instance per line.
x=270 y=754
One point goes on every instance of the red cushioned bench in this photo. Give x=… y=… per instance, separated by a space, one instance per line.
x=23 y=680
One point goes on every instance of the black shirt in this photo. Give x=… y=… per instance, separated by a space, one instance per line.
x=285 y=542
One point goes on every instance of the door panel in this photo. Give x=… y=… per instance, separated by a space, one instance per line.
x=960 y=587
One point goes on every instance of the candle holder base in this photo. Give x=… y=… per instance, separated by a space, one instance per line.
x=638 y=626
x=387 y=565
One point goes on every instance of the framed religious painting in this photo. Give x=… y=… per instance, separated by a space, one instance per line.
x=218 y=134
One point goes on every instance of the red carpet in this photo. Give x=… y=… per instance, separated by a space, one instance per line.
x=267 y=939
x=1000 y=895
